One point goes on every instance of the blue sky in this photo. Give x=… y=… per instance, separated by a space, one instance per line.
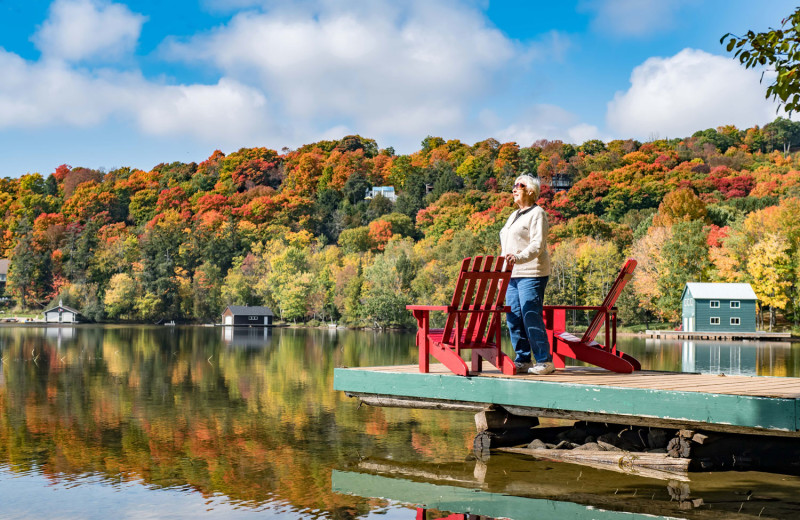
x=105 y=84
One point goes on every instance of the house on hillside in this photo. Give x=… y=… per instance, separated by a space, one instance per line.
x=241 y=315
x=62 y=314
x=386 y=191
x=719 y=307
x=561 y=182
x=4 y=263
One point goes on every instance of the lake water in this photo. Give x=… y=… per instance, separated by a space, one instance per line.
x=195 y=422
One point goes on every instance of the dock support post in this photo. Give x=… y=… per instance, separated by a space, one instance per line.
x=498 y=428
x=498 y=418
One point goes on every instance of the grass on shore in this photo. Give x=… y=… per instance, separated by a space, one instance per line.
x=20 y=314
x=641 y=327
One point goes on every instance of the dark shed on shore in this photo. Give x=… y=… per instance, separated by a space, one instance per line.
x=241 y=315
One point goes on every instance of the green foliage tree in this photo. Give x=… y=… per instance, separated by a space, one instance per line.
x=239 y=286
x=378 y=206
x=383 y=298
x=430 y=142
x=142 y=207
x=777 y=48
x=444 y=180
x=685 y=259
x=782 y=134
x=28 y=274
x=355 y=188
x=401 y=224
x=161 y=257
x=207 y=292
x=355 y=240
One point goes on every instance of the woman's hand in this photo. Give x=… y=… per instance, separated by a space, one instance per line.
x=511 y=259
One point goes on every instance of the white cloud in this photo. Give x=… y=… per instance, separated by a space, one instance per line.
x=632 y=17
x=289 y=73
x=385 y=69
x=85 y=29
x=38 y=94
x=583 y=132
x=545 y=122
x=227 y=110
x=48 y=93
x=693 y=90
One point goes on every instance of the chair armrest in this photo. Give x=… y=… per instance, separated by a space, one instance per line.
x=428 y=307
x=574 y=307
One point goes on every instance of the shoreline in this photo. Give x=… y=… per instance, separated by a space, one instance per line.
x=31 y=323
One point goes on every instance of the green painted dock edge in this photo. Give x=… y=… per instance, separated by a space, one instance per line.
x=736 y=410
x=471 y=501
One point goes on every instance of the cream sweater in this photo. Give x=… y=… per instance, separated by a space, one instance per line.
x=526 y=238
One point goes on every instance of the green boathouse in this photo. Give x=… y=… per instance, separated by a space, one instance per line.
x=719 y=307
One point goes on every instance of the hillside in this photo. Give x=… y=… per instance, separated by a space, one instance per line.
x=294 y=231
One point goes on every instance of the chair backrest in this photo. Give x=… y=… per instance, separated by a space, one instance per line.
x=481 y=286
x=611 y=298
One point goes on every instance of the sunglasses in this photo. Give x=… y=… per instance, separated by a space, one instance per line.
x=520 y=185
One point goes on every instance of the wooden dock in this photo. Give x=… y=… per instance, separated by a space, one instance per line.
x=721 y=336
x=733 y=404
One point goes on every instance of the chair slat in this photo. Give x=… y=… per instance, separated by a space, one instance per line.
x=474 y=329
x=450 y=324
x=498 y=291
x=470 y=291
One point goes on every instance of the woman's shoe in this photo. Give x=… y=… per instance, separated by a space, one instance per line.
x=542 y=369
x=522 y=366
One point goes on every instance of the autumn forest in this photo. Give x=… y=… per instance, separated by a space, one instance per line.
x=295 y=231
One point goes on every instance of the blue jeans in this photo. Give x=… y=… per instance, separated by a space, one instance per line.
x=525 y=296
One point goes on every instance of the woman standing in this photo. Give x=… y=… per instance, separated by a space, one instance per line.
x=524 y=245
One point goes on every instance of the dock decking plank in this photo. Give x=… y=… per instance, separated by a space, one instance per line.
x=708 y=383
x=759 y=403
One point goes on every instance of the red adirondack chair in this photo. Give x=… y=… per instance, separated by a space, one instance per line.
x=473 y=319
x=563 y=344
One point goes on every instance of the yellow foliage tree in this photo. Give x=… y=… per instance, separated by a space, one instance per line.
x=770 y=268
x=650 y=268
x=120 y=295
x=679 y=205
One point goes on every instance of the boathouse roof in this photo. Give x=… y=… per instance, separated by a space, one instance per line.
x=62 y=308
x=721 y=291
x=242 y=310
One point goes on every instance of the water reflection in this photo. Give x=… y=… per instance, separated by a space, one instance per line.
x=732 y=358
x=247 y=337
x=500 y=489
x=251 y=421
x=233 y=421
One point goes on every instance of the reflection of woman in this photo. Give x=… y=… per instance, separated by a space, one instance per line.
x=524 y=244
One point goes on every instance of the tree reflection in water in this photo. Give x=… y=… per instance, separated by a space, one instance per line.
x=242 y=418
x=186 y=408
